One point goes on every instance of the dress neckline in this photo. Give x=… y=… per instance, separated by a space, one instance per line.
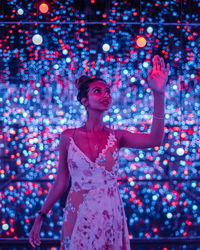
x=99 y=152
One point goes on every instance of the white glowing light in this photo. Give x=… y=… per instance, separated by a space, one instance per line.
x=142 y=81
x=106 y=47
x=20 y=11
x=68 y=60
x=169 y=197
x=65 y=52
x=154 y=197
x=50 y=176
x=56 y=66
x=5 y=226
x=148 y=176
x=169 y=215
x=145 y=64
x=133 y=79
x=106 y=118
x=194 y=207
x=180 y=151
x=149 y=29
x=37 y=39
x=194 y=184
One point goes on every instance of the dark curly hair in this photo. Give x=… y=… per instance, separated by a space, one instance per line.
x=83 y=85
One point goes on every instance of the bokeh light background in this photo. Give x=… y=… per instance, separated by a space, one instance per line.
x=160 y=186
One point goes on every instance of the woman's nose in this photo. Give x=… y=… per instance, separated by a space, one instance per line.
x=106 y=94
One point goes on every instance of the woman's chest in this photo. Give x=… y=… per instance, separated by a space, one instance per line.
x=94 y=146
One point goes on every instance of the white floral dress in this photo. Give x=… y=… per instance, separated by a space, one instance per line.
x=94 y=217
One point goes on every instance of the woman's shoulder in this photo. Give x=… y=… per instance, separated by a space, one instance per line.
x=65 y=136
x=69 y=132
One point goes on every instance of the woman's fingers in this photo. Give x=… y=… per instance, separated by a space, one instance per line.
x=149 y=77
x=159 y=63
x=37 y=242
x=31 y=241
x=150 y=73
x=162 y=64
x=167 y=69
x=156 y=63
x=34 y=242
x=34 y=239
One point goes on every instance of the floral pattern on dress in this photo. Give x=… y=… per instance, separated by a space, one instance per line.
x=68 y=207
x=94 y=216
x=65 y=243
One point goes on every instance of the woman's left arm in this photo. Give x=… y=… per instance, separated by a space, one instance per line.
x=157 y=79
x=158 y=122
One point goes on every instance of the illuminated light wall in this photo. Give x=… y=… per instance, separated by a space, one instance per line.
x=44 y=51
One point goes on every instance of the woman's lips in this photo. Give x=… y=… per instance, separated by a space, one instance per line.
x=105 y=102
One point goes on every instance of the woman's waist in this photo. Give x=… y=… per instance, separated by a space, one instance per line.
x=93 y=183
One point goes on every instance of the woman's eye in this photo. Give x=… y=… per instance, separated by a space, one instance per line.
x=108 y=91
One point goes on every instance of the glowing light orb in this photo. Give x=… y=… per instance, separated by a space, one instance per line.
x=133 y=79
x=106 y=47
x=148 y=176
x=20 y=11
x=141 y=42
x=149 y=29
x=43 y=8
x=65 y=52
x=169 y=215
x=37 y=39
x=180 y=151
x=194 y=207
x=50 y=176
x=169 y=196
x=5 y=226
x=56 y=66
x=145 y=64
x=68 y=60
x=154 y=197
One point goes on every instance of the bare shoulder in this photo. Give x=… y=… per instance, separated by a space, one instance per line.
x=67 y=132
x=65 y=135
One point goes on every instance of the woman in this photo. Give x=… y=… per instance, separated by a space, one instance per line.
x=94 y=215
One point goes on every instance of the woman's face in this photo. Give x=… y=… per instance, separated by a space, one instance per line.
x=99 y=95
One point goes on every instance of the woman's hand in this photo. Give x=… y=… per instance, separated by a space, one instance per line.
x=34 y=235
x=157 y=76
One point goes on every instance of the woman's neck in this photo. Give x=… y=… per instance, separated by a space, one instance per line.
x=92 y=127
